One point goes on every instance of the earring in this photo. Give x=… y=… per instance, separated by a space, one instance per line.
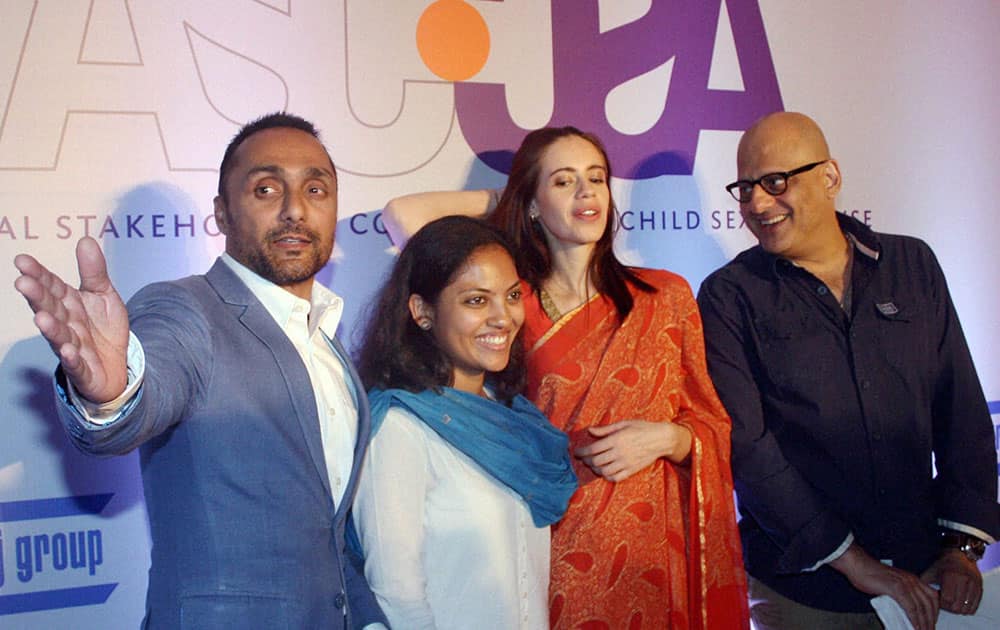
x=425 y=324
x=533 y=211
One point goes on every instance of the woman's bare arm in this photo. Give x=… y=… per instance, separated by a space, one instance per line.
x=403 y=216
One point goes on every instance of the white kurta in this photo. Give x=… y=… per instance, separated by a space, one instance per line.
x=446 y=545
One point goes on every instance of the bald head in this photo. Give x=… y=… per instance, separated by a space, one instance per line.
x=799 y=221
x=780 y=141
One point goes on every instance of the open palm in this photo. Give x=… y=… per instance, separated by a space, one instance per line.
x=87 y=328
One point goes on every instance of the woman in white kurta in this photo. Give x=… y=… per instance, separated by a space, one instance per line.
x=432 y=521
x=463 y=476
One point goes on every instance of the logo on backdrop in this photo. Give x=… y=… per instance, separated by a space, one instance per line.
x=578 y=62
x=47 y=561
x=589 y=65
x=647 y=81
x=562 y=62
x=154 y=225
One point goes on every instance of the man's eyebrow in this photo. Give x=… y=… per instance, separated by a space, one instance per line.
x=271 y=169
x=316 y=171
x=275 y=169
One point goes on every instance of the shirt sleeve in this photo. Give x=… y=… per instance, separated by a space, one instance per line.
x=839 y=551
x=966 y=483
x=390 y=511
x=99 y=415
x=783 y=503
x=176 y=342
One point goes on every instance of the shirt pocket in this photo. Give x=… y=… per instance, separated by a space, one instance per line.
x=904 y=342
x=794 y=353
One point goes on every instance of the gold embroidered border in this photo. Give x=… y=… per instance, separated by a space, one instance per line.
x=556 y=327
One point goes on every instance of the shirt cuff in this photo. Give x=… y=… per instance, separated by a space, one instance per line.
x=375 y=626
x=100 y=415
x=839 y=551
x=967 y=529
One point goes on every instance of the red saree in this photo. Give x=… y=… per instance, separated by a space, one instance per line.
x=660 y=549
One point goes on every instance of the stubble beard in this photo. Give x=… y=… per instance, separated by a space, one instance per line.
x=284 y=271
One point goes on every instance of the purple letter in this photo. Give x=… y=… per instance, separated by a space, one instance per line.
x=589 y=64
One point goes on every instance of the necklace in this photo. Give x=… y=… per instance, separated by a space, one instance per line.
x=548 y=305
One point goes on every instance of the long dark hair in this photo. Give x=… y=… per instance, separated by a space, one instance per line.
x=608 y=274
x=395 y=352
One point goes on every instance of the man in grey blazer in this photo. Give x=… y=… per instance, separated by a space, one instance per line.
x=250 y=419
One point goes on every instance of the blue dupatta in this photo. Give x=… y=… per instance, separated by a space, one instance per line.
x=516 y=445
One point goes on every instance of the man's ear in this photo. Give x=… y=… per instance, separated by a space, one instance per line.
x=832 y=178
x=220 y=214
x=421 y=312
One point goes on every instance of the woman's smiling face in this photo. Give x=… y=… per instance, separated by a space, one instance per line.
x=476 y=317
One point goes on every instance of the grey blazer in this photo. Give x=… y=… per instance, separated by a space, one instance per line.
x=245 y=531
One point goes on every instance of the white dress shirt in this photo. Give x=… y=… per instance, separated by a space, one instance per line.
x=306 y=323
x=446 y=545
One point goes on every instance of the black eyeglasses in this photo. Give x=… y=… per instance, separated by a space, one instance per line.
x=772 y=183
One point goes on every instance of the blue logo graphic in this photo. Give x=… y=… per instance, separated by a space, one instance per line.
x=60 y=551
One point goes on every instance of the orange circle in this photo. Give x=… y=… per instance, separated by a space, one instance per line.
x=453 y=39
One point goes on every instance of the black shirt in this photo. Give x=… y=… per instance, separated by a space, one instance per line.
x=836 y=413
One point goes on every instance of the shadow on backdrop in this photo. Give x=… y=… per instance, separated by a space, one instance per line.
x=155 y=232
x=36 y=452
x=172 y=236
x=663 y=224
x=361 y=260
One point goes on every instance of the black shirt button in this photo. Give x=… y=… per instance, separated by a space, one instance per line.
x=338 y=601
x=822 y=290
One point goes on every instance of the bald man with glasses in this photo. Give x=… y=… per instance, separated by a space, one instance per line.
x=838 y=353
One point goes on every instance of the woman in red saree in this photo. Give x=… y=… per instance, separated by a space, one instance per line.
x=616 y=359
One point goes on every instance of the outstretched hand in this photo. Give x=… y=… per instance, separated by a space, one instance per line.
x=87 y=328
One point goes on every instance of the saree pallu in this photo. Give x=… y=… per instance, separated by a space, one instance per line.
x=660 y=549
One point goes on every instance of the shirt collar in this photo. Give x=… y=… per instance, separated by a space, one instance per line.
x=862 y=237
x=865 y=240
x=326 y=306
